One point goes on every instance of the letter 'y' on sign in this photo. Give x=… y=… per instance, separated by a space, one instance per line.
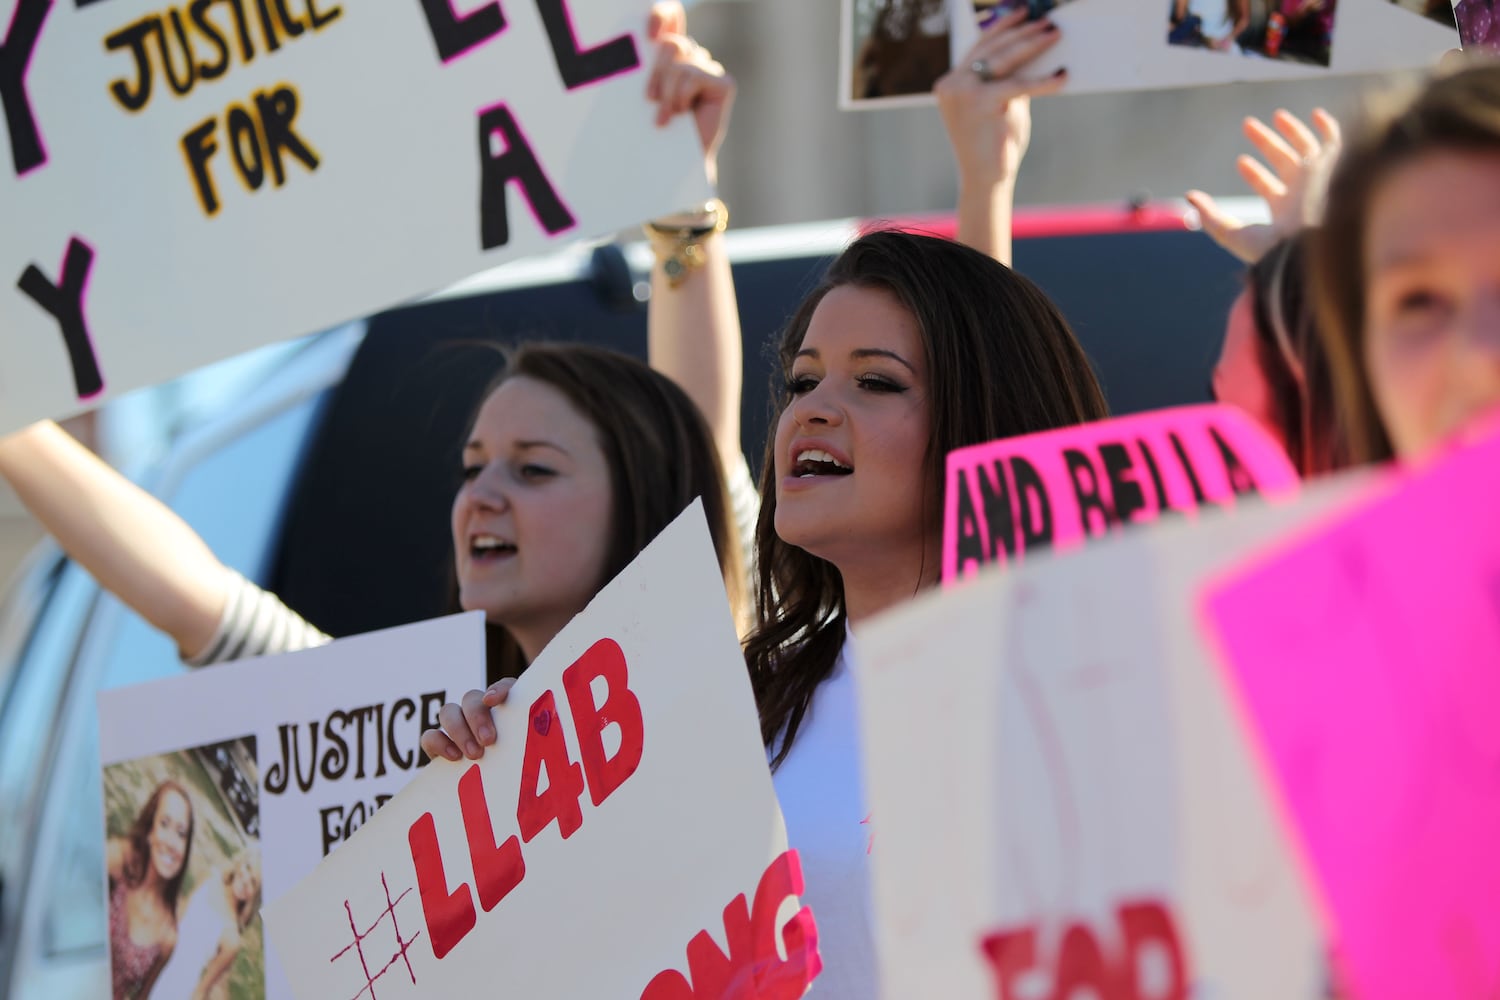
x=627 y=797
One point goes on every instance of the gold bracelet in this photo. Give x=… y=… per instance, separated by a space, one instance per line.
x=679 y=248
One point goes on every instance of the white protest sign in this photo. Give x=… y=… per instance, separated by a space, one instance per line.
x=185 y=182
x=279 y=760
x=1063 y=797
x=499 y=875
x=893 y=51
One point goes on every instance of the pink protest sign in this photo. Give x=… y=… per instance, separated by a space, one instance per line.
x=1059 y=488
x=1368 y=659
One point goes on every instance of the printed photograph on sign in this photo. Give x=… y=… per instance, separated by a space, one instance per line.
x=1441 y=11
x=1296 y=31
x=182 y=836
x=1478 y=25
x=893 y=48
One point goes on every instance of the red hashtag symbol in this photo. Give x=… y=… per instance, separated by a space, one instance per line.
x=358 y=943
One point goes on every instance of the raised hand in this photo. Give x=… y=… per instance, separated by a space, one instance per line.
x=1292 y=181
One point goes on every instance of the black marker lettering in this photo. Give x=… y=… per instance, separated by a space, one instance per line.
x=179 y=87
x=1156 y=481
x=277 y=110
x=197 y=146
x=969 y=548
x=456 y=35
x=134 y=36
x=1199 y=498
x=26 y=150
x=403 y=761
x=517 y=163
x=1033 y=506
x=242 y=29
x=1086 y=491
x=293 y=26
x=199 y=13
x=268 y=26
x=64 y=302
x=1240 y=479
x=1123 y=487
x=317 y=19
x=581 y=67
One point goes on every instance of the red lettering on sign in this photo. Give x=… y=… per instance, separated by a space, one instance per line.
x=498 y=866
x=545 y=747
x=605 y=659
x=497 y=869
x=754 y=968
x=1083 y=965
x=450 y=915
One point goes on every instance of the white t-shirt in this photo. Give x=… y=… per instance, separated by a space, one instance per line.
x=822 y=797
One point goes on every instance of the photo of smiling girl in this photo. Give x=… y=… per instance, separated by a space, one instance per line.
x=146 y=865
x=184 y=876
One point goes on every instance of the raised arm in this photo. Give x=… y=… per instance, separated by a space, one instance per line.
x=693 y=324
x=131 y=542
x=985 y=101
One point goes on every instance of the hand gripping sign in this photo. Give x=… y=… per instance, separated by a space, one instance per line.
x=621 y=839
x=182 y=181
x=1061 y=488
x=1367 y=657
x=1063 y=802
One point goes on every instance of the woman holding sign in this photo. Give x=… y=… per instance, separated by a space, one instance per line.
x=1406 y=268
x=146 y=867
x=576 y=457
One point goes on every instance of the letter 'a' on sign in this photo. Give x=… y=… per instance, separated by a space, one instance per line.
x=515 y=161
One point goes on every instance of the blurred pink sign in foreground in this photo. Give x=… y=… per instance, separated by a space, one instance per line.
x=1059 y=488
x=1367 y=657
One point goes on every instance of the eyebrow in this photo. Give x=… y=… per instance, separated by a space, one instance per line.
x=521 y=446
x=860 y=354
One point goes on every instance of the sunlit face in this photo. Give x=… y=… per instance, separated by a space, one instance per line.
x=1432 y=297
x=531 y=522
x=851 y=446
x=168 y=839
x=1239 y=377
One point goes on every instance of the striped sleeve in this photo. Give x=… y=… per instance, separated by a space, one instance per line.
x=256 y=623
x=744 y=504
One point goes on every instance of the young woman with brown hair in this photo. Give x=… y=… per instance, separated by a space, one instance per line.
x=1407 y=267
